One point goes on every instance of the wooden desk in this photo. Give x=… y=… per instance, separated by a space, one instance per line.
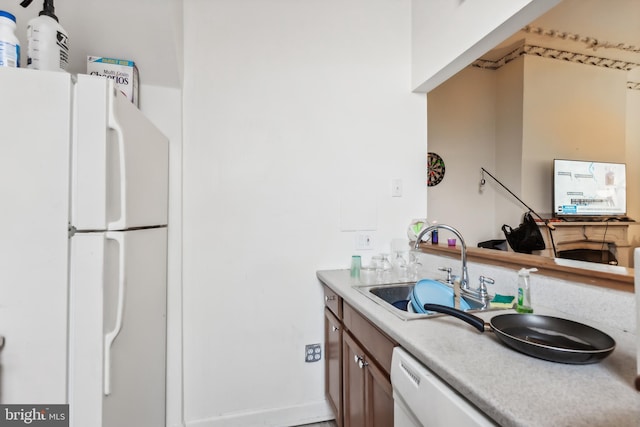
x=621 y=237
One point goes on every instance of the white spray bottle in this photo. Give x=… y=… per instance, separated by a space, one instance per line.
x=48 y=42
x=523 y=304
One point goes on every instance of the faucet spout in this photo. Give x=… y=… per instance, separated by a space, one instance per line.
x=464 y=279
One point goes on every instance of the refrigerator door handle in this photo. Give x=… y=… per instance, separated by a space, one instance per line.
x=113 y=123
x=111 y=336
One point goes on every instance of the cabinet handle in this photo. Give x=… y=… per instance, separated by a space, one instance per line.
x=335 y=328
x=362 y=363
x=329 y=298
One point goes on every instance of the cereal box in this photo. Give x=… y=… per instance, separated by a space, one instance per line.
x=122 y=71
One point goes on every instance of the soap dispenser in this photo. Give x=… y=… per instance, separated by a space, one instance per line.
x=523 y=304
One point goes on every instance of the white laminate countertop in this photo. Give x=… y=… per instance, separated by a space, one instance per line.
x=512 y=388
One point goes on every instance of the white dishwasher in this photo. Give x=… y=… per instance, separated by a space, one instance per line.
x=421 y=399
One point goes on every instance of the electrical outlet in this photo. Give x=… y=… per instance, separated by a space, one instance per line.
x=364 y=241
x=312 y=353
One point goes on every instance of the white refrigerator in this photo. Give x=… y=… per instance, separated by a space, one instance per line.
x=83 y=252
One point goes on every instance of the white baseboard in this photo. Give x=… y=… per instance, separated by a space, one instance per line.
x=313 y=412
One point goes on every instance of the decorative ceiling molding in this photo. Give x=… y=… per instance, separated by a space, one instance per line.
x=579 y=58
x=564 y=55
x=609 y=55
x=488 y=64
x=591 y=42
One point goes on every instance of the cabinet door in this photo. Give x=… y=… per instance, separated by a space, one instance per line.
x=379 y=397
x=368 y=398
x=333 y=363
x=354 y=383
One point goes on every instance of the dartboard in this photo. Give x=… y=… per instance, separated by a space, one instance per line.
x=435 y=169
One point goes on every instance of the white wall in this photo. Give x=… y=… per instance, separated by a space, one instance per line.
x=570 y=111
x=297 y=116
x=163 y=106
x=462 y=130
x=508 y=152
x=633 y=157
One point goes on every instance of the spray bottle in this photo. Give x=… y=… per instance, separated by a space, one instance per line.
x=48 y=42
x=523 y=304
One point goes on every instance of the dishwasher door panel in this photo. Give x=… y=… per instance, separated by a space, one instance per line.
x=421 y=399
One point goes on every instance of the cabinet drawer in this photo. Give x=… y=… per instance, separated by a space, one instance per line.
x=376 y=343
x=333 y=302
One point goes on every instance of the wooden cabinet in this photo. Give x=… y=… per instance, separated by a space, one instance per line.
x=368 y=399
x=354 y=382
x=333 y=352
x=333 y=363
x=357 y=367
x=366 y=367
x=379 y=398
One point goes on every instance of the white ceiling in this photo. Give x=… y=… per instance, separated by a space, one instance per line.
x=148 y=32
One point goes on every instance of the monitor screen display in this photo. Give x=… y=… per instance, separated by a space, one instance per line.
x=589 y=189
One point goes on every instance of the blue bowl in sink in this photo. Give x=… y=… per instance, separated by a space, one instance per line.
x=433 y=292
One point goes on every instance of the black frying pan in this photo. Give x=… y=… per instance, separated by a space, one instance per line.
x=544 y=337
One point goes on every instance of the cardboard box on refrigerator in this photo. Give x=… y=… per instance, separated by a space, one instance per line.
x=122 y=71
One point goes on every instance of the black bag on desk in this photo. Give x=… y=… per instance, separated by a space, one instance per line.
x=526 y=237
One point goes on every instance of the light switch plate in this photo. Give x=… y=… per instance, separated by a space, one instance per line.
x=396 y=188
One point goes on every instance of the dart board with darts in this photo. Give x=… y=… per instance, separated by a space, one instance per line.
x=435 y=169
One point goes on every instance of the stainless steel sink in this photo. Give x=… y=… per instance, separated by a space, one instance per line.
x=395 y=297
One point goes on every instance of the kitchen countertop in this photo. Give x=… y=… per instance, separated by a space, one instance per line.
x=512 y=388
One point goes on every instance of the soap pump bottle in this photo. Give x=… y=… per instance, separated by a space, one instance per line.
x=523 y=304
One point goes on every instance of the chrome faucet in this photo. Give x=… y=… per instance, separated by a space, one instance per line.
x=464 y=279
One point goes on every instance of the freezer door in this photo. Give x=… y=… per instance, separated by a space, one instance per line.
x=120 y=161
x=118 y=328
x=34 y=186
